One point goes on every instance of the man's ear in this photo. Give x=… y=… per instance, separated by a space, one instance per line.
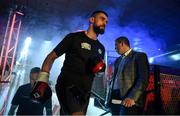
x=91 y=20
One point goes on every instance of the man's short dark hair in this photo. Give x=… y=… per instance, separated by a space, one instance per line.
x=98 y=11
x=35 y=70
x=123 y=39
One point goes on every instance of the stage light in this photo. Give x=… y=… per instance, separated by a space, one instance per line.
x=27 y=41
x=151 y=60
x=47 y=42
x=137 y=48
x=175 y=57
x=26 y=46
x=25 y=49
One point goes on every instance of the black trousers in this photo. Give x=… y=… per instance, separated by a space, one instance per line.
x=72 y=99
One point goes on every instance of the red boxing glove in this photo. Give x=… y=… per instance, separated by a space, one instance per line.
x=99 y=67
x=41 y=91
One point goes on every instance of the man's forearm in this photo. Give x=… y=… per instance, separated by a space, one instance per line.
x=48 y=62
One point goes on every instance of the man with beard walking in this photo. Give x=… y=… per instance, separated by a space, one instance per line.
x=84 y=56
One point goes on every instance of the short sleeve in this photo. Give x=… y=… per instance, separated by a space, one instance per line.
x=64 y=45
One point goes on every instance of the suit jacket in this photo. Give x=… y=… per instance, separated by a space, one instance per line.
x=134 y=78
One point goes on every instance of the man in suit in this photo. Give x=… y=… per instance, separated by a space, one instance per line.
x=127 y=88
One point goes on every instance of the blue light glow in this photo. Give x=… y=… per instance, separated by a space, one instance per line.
x=175 y=57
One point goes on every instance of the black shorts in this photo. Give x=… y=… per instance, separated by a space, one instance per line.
x=72 y=99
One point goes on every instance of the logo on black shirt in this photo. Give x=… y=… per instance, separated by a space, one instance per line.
x=86 y=46
x=100 y=51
